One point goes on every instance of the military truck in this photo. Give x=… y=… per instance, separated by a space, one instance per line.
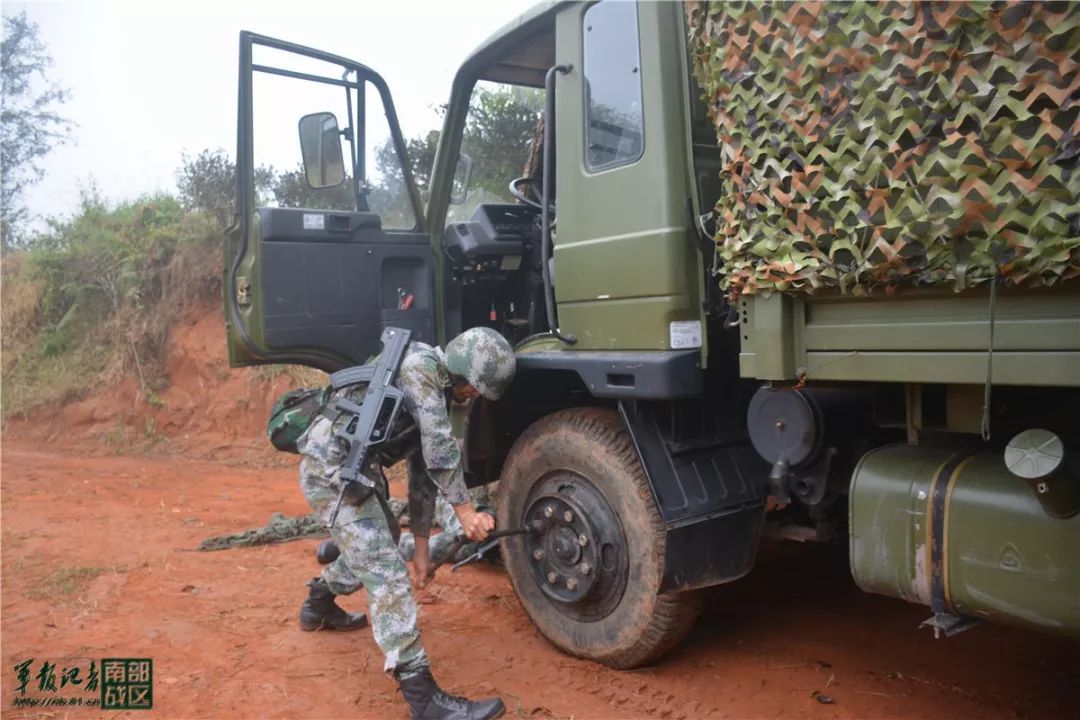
x=660 y=424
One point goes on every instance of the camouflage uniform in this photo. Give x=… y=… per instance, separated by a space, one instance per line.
x=445 y=543
x=365 y=533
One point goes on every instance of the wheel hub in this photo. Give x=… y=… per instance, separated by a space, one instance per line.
x=578 y=552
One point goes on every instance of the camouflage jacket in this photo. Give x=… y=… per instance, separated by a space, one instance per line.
x=425 y=382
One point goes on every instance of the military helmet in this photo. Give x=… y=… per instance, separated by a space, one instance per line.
x=484 y=358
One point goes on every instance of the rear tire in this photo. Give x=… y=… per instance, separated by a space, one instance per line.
x=576 y=474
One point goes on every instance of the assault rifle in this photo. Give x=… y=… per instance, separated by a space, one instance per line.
x=372 y=421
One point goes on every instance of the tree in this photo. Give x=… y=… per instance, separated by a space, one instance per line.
x=387 y=194
x=30 y=123
x=419 y=150
x=207 y=182
x=291 y=189
x=499 y=129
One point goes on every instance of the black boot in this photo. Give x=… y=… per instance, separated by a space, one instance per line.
x=428 y=702
x=320 y=612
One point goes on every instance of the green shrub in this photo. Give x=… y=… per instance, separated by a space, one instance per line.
x=93 y=298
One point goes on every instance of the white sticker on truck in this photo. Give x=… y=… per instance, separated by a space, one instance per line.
x=685 y=334
x=314 y=221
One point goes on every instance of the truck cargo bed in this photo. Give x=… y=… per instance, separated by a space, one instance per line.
x=931 y=336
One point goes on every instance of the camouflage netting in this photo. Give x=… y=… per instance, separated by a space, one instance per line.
x=286 y=529
x=882 y=144
x=280 y=529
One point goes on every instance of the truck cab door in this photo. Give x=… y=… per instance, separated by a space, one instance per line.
x=327 y=252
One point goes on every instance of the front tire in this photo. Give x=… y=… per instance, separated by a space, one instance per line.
x=589 y=577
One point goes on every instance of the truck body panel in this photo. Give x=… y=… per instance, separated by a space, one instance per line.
x=917 y=336
x=630 y=216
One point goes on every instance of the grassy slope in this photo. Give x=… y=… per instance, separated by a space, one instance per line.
x=112 y=319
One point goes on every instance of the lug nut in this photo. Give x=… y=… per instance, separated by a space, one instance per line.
x=538 y=554
x=568 y=516
x=586 y=568
x=553 y=578
x=571 y=583
x=582 y=540
x=548 y=511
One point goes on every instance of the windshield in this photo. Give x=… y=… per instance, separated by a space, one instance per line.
x=502 y=135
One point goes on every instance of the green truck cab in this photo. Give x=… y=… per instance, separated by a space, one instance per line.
x=657 y=429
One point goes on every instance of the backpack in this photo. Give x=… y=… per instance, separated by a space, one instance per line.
x=292 y=414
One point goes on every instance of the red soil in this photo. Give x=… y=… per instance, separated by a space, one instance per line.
x=222 y=627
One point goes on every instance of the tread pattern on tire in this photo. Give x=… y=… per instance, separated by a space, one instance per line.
x=671 y=615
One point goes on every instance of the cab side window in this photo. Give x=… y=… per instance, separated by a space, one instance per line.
x=279 y=99
x=614 y=125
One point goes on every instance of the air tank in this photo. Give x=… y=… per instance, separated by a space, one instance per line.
x=955 y=530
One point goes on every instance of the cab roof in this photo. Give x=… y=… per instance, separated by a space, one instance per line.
x=521 y=51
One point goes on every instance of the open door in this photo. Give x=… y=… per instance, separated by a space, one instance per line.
x=328 y=247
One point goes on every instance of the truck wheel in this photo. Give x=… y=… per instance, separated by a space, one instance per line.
x=589 y=576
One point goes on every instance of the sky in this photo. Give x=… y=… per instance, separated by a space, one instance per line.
x=151 y=80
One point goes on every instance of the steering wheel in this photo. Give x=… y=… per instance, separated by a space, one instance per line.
x=513 y=188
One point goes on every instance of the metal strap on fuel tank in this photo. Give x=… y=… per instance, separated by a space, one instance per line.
x=937 y=523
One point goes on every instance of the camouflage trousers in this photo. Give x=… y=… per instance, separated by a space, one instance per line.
x=370 y=559
x=445 y=543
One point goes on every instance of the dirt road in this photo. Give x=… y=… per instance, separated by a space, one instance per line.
x=96 y=564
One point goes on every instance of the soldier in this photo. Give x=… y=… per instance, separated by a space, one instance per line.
x=477 y=362
x=326 y=615
x=446 y=543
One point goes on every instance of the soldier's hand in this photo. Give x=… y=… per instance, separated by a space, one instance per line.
x=424 y=573
x=422 y=563
x=476 y=525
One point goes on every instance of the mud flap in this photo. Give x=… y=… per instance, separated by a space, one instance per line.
x=711 y=496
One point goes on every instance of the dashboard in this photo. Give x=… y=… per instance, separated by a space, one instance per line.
x=491 y=245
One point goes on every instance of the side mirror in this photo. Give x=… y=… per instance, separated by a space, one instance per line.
x=320 y=144
x=459 y=188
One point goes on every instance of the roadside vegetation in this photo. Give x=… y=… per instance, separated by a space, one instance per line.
x=90 y=298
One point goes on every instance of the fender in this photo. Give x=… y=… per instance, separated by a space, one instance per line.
x=710 y=490
x=710 y=495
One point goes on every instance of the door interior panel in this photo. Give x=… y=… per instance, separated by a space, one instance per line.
x=313 y=286
x=334 y=280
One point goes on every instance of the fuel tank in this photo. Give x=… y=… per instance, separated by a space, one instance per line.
x=958 y=532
